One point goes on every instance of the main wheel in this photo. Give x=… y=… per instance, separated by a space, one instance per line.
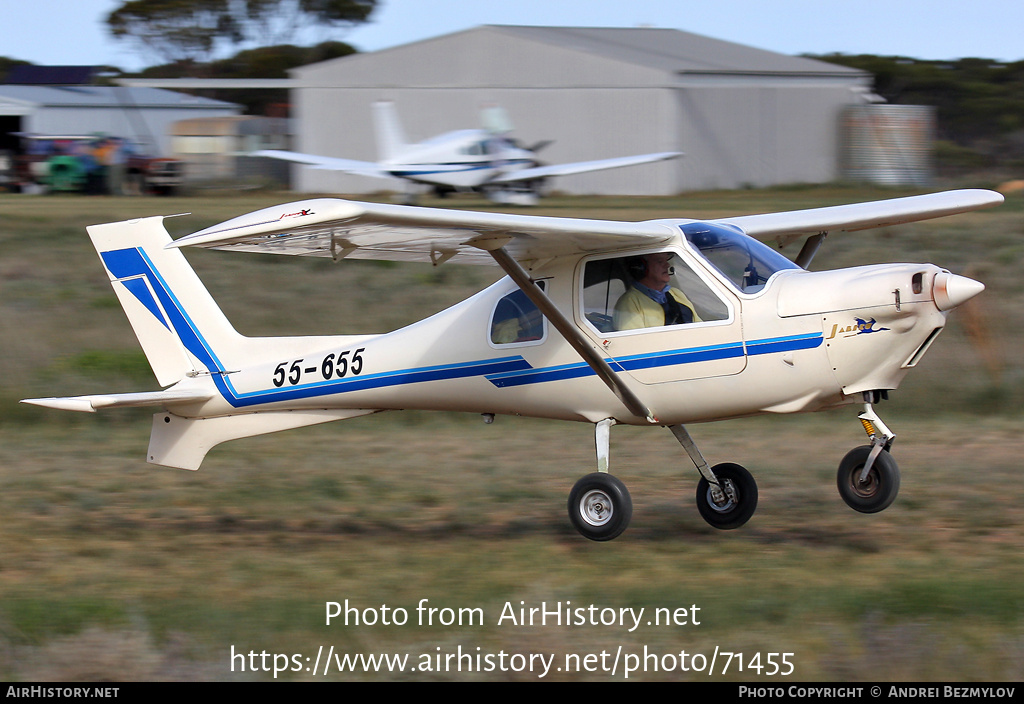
x=738 y=503
x=600 y=506
x=879 y=488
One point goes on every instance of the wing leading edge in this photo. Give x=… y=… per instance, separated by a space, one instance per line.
x=790 y=225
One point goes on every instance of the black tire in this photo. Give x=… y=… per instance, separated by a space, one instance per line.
x=879 y=489
x=741 y=497
x=600 y=506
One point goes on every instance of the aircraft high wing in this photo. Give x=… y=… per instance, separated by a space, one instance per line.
x=485 y=161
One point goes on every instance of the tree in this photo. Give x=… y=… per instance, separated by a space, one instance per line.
x=979 y=103
x=264 y=62
x=181 y=30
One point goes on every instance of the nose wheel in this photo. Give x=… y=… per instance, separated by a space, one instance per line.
x=871 y=491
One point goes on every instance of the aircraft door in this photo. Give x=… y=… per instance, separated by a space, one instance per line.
x=660 y=317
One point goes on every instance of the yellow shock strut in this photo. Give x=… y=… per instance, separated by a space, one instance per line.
x=869 y=427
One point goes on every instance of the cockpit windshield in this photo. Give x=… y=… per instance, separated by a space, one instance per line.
x=747 y=263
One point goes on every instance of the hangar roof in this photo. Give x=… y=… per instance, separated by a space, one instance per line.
x=105 y=97
x=655 y=50
x=674 y=50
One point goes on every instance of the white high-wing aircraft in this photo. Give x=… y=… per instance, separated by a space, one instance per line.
x=567 y=335
x=484 y=161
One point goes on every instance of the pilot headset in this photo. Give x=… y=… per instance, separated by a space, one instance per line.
x=637 y=267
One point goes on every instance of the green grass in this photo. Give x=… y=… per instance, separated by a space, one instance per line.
x=113 y=569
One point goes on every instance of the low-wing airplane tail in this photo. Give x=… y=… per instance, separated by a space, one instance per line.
x=180 y=327
x=391 y=140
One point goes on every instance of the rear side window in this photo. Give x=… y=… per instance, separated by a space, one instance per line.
x=516 y=320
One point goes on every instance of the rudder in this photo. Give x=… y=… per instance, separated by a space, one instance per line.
x=390 y=136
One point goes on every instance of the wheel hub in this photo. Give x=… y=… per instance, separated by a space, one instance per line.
x=866 y=488
x=725 y=500
x=596 y=507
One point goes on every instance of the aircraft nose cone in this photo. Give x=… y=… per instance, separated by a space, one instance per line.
x=952 y=290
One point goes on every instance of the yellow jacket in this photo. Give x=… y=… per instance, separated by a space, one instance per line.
x=635 y=310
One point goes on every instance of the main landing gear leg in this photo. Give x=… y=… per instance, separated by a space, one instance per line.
x=599 y=504
x=869 y=478
x=726 y=493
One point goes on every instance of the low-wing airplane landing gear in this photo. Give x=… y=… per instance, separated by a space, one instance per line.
x=868 y=478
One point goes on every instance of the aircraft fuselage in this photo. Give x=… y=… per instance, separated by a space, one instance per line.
x=802 y=342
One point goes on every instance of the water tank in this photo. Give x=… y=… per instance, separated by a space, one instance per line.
x=887 y=144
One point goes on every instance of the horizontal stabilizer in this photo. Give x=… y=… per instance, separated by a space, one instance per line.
x=182 y=443
x=328 y=163
x=91 y=404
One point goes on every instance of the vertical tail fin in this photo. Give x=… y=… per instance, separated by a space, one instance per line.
x=390 y=136
x=180 y=327
x=495 y=119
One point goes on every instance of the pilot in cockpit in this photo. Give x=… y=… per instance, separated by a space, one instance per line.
x=651 y=300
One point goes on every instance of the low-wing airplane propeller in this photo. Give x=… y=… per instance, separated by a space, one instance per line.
x=663 y=322
x=485 y=161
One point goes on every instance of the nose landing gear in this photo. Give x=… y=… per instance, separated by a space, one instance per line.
x=869 y=478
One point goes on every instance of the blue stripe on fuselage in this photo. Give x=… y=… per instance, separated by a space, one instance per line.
x=665 y=358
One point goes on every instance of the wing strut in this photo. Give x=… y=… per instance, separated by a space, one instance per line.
x=810 y=248
x=569 y=331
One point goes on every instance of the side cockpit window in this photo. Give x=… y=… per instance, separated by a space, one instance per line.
x=647 y=291
x=516 y=320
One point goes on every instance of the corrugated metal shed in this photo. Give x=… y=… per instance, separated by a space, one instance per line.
x=219 y=147
x=888 y=144
x=142 y=115
x=743 y=116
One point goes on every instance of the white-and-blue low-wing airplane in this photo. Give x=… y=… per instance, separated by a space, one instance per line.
x=485 y=161
x=568 y=334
